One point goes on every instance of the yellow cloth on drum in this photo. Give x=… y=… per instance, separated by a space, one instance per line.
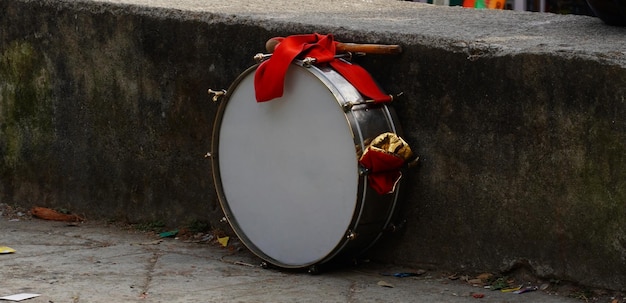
x=392 y=143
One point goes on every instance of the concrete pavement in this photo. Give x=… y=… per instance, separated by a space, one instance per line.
x=100 y=262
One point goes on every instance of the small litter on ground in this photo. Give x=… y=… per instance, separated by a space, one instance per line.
x=402 y=274
x=168 y=234
x=223 y=241
x=6 y=250
x=19 y=297
x=53 y=215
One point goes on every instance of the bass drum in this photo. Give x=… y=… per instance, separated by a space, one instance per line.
x=286 y=171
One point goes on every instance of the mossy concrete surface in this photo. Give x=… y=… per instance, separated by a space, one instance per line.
x=518 y=119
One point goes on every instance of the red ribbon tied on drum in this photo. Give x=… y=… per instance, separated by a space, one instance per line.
x=269 y=78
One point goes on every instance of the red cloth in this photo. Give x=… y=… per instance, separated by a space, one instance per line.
x=269 y=78
x=383 y=170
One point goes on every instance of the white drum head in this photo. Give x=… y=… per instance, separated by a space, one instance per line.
x=288 y=170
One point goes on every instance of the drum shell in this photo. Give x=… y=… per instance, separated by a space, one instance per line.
x=366 y=120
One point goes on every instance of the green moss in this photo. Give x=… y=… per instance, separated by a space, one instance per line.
x=25 y=107
x=156 y=225
x=600 y=205
x=198 y=226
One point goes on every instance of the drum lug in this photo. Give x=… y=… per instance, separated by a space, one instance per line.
x=217 y=94
x=351 y=235
x=347 y=106
x=313 y=270
x=392 y=228
x=261 y=57
x=308 y=61
x=363 y=171
x=350 y=104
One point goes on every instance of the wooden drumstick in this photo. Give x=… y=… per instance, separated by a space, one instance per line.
x=380 y=49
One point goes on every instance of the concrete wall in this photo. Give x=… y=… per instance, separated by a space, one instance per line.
x=518 y=118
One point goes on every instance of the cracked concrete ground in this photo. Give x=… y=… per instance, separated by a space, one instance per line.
x=99 y=262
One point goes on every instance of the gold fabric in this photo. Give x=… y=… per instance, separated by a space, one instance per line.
x=393 y=144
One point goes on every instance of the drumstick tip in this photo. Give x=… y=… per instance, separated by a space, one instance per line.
x=271 y=44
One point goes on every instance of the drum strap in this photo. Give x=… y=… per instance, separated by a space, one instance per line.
x=270 y=75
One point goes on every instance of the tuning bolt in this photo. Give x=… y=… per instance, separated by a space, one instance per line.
x=217 y=94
